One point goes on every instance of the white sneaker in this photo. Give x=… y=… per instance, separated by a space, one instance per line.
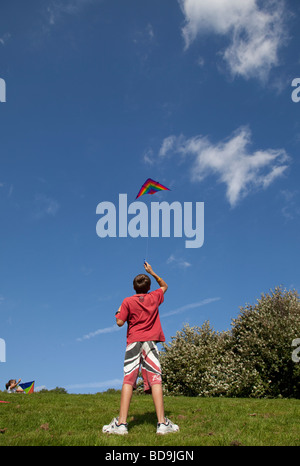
x=115 y=428
x=166 y=427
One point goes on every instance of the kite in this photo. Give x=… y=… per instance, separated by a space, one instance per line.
x=28 y=387
x=151 y=187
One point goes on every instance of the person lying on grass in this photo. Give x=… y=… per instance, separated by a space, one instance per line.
x=144 y=330
x=12 y=386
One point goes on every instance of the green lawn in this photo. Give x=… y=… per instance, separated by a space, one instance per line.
x=76 y=420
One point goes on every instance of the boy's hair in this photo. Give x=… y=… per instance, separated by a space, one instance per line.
x=141 y=283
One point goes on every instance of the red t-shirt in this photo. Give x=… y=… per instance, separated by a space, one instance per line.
x=141 y=313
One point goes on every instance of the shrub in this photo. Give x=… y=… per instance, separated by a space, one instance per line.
x=59 y=390
x=184 y=362
x=251 y=360
x=262 y=336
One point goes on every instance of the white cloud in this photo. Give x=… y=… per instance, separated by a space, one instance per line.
x=57 y=8
x=231 y=161
x=255 y=31
x=107 y=383
x=100 y=331
x=40 y=387
x=5 y=38
x=290 y=209
x=86 y=271
x=200 y=61
x=145 y=41
x=150 y=32
x=45 y=205
x=178 y=262
x=7 y=189
x=186 y=307
x=10 y=191
x=167 y=145
x=148 y=157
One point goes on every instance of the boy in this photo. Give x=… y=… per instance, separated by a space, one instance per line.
x=140 y=311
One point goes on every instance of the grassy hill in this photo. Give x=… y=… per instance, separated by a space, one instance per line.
x=49 y=418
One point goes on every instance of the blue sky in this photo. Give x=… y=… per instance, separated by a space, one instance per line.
x=101 y=95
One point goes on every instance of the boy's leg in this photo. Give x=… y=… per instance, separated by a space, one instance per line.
x=126 y=395
x=151 y=372
x=131 y=370
x=157 y=396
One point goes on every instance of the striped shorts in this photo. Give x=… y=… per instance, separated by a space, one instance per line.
x=142 y=354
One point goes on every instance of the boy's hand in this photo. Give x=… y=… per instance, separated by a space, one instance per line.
x=148 y=268
x=159 y=280
x=119 y=321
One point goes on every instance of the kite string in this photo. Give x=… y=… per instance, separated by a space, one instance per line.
x=147 y=244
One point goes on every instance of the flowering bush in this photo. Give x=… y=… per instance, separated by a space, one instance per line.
x=251 y=360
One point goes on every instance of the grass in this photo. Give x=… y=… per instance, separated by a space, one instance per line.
x=42 y=419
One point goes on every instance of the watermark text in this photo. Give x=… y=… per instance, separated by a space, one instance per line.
x=2 y=90
x=296 y=92
x=135 y=220
x=2 y=350
x=295 y=357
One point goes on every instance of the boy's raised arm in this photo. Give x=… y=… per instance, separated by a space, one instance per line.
x=159 y=280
